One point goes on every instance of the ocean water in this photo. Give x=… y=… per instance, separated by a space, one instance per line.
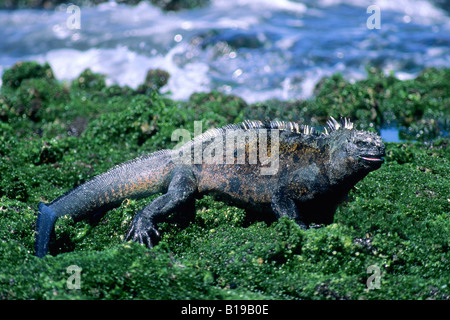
x=256 y=49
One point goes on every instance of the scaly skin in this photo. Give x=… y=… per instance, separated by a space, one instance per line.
x=134 y=179
x=281 y=168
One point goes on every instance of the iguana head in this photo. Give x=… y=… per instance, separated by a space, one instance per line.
x=357 y=151
x=367 y=147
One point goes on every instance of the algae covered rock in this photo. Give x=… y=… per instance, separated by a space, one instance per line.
x=14 y=76
x=90 y=81
x=396 y=219
x=28 y=88
x=154 y=81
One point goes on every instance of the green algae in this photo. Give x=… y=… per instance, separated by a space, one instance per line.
x=396 y=219
x=419 y=107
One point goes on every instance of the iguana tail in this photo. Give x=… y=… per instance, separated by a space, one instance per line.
x=131 y=180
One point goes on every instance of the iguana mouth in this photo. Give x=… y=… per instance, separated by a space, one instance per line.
x=372 y=158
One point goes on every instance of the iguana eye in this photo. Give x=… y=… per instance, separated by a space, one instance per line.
x=360 y=144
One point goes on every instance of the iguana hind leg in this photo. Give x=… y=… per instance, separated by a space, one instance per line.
x=283 y=206
x=181 y=191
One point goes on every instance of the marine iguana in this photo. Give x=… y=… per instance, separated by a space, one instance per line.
x=282 y=168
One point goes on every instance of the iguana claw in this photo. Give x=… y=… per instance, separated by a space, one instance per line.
x=143 y=232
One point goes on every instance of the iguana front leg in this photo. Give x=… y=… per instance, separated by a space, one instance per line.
x=182 y=189
x=283 y=206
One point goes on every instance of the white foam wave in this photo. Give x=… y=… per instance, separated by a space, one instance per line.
x=421 y=11
x=261 y=5
x=127 y=68
x=295 y=44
